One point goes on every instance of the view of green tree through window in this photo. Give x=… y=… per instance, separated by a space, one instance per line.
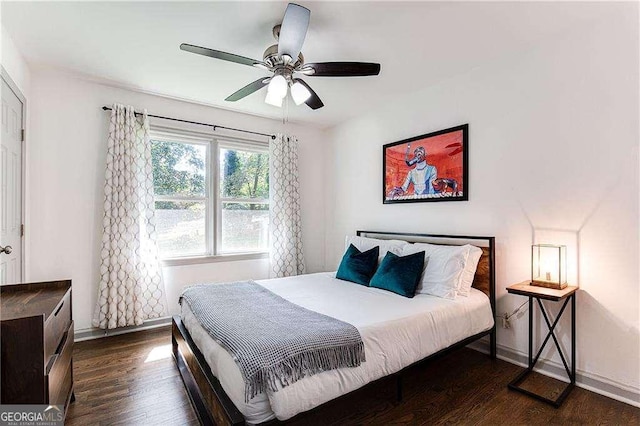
x=244 y=195
x=179 y=177
x=197 y=218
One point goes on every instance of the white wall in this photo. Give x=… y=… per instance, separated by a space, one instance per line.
x=66 y=169
x=14 y=63
x=553 y=145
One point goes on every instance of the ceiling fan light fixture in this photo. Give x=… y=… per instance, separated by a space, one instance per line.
x=271 y=99
x=277 y=87
x=299 y=93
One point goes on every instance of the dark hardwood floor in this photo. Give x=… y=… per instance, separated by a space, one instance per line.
x=131 y=379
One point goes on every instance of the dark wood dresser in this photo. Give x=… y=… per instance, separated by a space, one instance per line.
x=37 y=343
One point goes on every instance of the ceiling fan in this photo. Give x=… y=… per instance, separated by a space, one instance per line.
x=285 y=61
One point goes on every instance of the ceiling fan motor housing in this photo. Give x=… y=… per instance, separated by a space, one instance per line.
x=271 y=58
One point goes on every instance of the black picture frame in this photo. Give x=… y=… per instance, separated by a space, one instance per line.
x=448 y=186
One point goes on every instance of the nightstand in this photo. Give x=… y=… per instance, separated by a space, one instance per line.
x=539 y=293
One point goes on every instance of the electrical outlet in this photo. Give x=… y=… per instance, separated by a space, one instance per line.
x=505 y=321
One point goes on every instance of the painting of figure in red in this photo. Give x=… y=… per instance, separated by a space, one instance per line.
x=431 y=167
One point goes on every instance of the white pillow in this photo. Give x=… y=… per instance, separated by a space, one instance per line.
x=364 y=244
x=469 y=272
x=444 y=266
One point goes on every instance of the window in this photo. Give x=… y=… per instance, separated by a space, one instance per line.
x=211 y=195
x=244 y=200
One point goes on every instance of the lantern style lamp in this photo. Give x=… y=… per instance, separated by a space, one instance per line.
x=549 y=266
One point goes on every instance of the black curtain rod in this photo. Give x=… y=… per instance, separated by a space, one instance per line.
x=215 y=126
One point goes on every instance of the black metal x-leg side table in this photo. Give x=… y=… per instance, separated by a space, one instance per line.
x=567 y=294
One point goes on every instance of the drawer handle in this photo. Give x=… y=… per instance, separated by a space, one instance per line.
x=52 y=361
x=62 y=343
x=58 y=310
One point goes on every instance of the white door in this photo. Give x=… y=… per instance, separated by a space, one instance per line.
x=10 y=188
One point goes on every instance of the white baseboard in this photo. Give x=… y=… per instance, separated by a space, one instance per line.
x=96 y=333
x=590 y=381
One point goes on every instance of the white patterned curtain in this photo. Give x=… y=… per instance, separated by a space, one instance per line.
x=285 y=225
x=131 y=288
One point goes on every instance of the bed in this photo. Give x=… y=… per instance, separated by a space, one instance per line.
x=397 y=333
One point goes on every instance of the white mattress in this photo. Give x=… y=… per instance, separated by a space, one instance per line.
x=396 y=332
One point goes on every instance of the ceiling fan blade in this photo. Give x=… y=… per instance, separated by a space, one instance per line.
x=293 y=30
x=340 y=69
x=314 y=101
x=221 y=55
x=248 y=89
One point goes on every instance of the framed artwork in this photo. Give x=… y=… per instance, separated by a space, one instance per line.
x=431 y=167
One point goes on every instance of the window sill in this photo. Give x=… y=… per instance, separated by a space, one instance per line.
x=181 y=261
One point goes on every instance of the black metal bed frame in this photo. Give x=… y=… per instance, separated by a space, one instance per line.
x=213 y=405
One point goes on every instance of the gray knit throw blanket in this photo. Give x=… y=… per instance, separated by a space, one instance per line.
x=272 y=340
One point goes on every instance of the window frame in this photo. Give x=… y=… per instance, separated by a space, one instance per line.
x=212 y=198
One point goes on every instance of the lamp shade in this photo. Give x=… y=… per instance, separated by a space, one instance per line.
x=274 y=100
x=278 y=87
x=299 y=93
x=549 y=266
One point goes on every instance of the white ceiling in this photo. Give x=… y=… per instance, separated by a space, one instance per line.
x=416 y=43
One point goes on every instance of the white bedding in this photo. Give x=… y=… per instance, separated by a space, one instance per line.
x=396 y=332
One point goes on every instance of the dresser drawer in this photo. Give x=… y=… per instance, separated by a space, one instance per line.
x=63 y=391
x=56 y=325
x=59 y=370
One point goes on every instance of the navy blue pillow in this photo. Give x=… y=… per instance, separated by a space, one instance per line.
x=399 y=274
x=357 y=266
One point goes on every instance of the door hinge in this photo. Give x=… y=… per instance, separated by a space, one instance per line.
x=22 y=230
x=22 y=135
